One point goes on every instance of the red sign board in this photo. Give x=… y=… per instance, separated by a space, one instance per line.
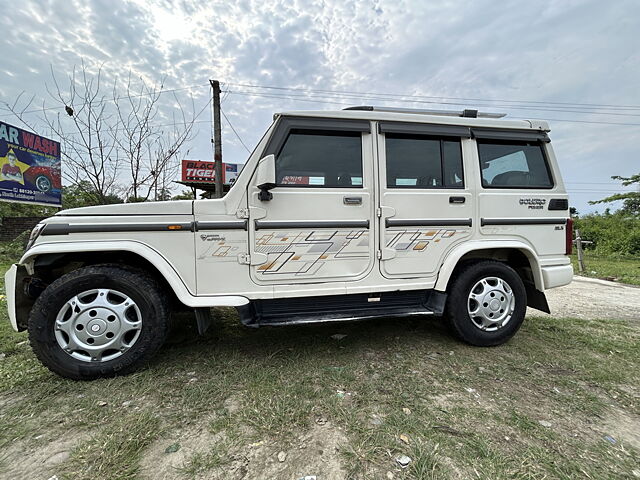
x=199 y=171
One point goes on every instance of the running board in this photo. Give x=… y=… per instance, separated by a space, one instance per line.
x=341 y=308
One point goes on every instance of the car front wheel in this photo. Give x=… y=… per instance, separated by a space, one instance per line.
x=98 y=321
x=486 y=304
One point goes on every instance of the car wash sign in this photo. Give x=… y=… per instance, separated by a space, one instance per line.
x=29 y=167
x=197 y=171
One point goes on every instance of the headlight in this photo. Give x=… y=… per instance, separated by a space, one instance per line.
x=35 y=233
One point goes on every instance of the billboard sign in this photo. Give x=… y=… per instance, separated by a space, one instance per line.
x=197 y=171
x=29 y=167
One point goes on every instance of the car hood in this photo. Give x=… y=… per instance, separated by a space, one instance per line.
x=174 y=207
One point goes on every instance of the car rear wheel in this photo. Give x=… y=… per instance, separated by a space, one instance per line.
x=486 y=304
x=98 y=321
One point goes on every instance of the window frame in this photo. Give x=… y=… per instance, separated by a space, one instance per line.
x=327 y=133
x=425 y=136
x=539 y=142
x=287 y=123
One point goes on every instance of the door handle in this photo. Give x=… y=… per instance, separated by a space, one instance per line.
x=456 y=199
x=352 y=200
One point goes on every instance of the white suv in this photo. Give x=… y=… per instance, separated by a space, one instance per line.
x=342 y=215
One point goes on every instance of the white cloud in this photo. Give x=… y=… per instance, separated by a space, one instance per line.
x=569 y=51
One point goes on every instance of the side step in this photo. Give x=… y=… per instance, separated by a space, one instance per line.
x=331 y=308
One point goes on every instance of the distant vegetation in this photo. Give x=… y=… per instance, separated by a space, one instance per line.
x=612 y=234
x=617 y=233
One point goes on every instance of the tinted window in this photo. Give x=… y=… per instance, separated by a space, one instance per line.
x=507 y=164
x=320 y=159
x=423 y=162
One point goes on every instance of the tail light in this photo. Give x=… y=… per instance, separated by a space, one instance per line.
x=569 y=237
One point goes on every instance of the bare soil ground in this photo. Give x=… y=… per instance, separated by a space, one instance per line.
x=560 y=400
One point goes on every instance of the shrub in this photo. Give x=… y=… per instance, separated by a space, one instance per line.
x=616 y=234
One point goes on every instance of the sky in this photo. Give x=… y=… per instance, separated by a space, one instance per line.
x=574 y=63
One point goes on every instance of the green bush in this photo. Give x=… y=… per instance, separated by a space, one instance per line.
x=612 y=234
x=11 y=252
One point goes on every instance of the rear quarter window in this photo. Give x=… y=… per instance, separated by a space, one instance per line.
x=513 y=164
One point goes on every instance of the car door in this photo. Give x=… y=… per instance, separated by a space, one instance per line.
x=425 y=201
x=316 y=225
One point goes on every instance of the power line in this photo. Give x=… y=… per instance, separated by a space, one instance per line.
x=234 y=131
x=432 y=102
x=104 y=100
x=567 y=104
x=264 y=95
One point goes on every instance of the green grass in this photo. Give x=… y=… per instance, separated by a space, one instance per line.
x=236 y=397
x=623 y=270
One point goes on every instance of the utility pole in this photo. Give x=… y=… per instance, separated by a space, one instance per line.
x=217 y=138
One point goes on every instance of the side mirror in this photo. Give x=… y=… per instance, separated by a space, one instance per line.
x=266 y=177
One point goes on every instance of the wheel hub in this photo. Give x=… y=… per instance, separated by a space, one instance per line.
x=491 y=303
x=98 y=325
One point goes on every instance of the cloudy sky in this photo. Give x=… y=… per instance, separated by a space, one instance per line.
x=575 y=63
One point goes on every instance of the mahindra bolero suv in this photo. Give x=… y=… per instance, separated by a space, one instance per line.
x=360 y=213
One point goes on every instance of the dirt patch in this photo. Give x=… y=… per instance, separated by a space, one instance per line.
x=165 y=458
x=593 y=299
x=40 y=460
x=623 y=427
x=316 y=452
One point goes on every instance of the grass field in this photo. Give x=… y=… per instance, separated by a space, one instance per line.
x=624 y=270
x=561 y=400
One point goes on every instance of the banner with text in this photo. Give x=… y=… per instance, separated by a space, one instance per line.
x=197 y=171
x=29 y=167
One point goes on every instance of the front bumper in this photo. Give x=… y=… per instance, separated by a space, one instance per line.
x=10 y=291
x=557 y=275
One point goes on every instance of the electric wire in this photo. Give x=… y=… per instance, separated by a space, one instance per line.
x=325 y=101
x=234 y=131
x=105 y=100
x=574 y=105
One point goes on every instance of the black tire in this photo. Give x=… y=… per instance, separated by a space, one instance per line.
x=457 y=314
x=136 y=285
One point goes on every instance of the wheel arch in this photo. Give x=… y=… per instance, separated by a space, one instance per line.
x=48 y=261
x=518 y=255
x=46 y=256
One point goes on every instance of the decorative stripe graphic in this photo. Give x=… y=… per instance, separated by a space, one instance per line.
x=305 y=253
x=417 y=240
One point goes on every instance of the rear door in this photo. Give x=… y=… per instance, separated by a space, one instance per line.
x=316 y=227
x=425 y=201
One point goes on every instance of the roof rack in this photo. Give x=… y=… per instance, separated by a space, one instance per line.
x=468 y=113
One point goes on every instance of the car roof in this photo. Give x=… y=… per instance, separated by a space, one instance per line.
x=428 y=118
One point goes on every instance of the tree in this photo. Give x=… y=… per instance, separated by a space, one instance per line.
x=112 y=137
x=80 y=195
x=86 y=131
x=184 y=195
x=11 y=209
x=149 y=150
x=631 y=200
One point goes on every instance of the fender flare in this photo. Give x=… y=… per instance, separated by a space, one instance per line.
x=143 y=250
x=454 y=256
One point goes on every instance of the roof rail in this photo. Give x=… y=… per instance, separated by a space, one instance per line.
x=469 y=113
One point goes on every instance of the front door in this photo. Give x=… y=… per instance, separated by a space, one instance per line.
x=426 y=204
x=318 y=225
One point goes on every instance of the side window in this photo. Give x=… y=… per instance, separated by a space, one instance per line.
x=416 y=161
x=509 y=164
x=320 y=158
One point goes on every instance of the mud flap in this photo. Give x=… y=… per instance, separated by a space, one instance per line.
x=536 y=299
